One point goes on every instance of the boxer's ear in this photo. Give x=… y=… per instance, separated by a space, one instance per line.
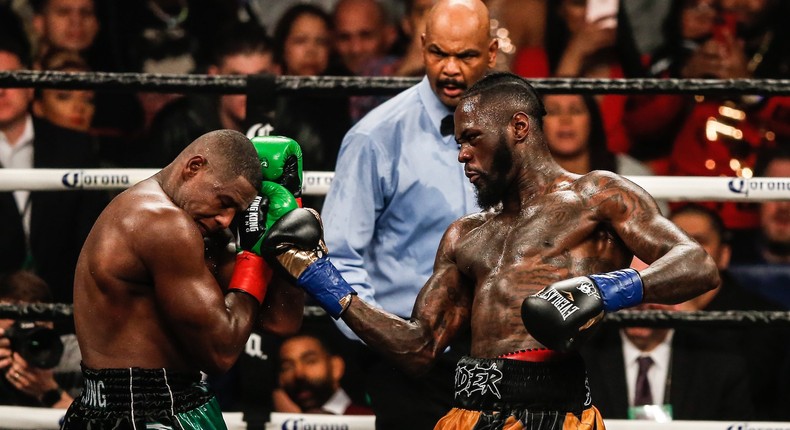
x=520 y=125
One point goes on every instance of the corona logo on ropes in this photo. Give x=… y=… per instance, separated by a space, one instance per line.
x=79 y=179
x=302 y=424
x=759 y=187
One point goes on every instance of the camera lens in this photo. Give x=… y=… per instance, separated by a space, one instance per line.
x=40 y=346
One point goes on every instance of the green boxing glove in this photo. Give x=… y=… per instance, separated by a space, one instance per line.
x=273 y=201
x=281 y=161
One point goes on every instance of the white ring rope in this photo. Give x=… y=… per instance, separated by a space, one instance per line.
x=674 y=188
x=18 y=417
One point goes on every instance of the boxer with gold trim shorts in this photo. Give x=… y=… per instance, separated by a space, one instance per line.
x=535 y=389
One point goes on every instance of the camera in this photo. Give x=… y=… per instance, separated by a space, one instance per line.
x=40 y=346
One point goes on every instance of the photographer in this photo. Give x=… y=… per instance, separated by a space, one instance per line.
x=38 y=367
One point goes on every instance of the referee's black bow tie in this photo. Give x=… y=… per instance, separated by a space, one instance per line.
x=447 y=128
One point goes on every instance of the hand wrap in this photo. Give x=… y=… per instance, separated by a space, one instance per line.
x=251 y=275
x=619 y=289
x=324 y=283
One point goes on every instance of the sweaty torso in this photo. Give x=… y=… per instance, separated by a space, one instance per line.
x=511 y=256
x=117 y=321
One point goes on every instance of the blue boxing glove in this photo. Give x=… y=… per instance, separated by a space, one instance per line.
x=296 y=242
x=563 y=314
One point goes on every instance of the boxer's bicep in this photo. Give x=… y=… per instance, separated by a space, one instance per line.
x=187 y=294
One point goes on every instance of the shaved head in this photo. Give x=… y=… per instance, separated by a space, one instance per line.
x=230 y=151
x=464 y=18
x=457 y=47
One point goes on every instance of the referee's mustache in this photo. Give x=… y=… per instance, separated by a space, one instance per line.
x=443 y=83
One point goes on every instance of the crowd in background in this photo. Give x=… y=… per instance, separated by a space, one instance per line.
x=639 y=134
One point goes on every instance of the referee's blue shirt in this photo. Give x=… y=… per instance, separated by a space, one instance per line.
x=398 y=185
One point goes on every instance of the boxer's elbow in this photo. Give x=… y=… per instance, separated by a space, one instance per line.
x=711 y=276
x=419 y=364
x=283 y=327
x=698 y=270
x=419 y=360
x=218 y=364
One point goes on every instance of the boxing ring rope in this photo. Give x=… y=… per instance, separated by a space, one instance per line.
x=673 y=188
x=361 y=85
x=23 y=418
x=625 y=317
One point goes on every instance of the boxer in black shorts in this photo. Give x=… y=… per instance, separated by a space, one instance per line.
x=159 y=296
x=137 y=398
x=538 y=268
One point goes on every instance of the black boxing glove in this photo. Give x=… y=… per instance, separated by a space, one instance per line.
x=563 y=314
x=296 y=242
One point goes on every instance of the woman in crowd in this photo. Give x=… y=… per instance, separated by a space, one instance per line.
x=576 y=47
x=72 y=109
x=303 y=47
x=575 y=136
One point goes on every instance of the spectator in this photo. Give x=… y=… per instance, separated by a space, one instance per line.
x=706 y=227
x=72 y=26
x=310 y=375
x=764 y=349
x=575 y=47
x=689 y=24
x=242 y=49
x=69 y=25
x=269 y=12
x=39 y=368
x=303 y=41
x=653 y=120
x=41 y=230
x=761 y=256
x=158 y=36
x=364 y=38
x=412 y=27
x=576 y=139
x=71 y=109
x=770 y=242
x=722 y=135
x=397 y=187
x=303 y=47
x=686 y=379
x=364 y=33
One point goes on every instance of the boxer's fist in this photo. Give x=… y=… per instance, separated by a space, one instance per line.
x=296 y=242
x=281 y=201
x=563 y=314
x=251 y=225
x=251 y=274
x=281 y=161
x=273 y=201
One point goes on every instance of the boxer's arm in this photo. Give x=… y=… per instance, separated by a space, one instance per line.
x=283 y=308
x=442 y=308
x=210 y=325
x=679 y=267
